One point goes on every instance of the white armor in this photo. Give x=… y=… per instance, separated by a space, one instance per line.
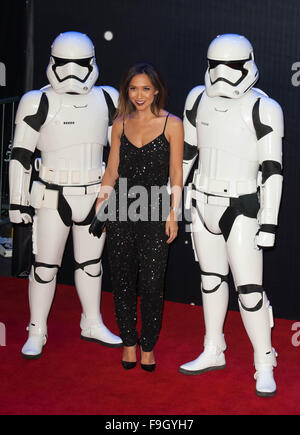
x=69 y=125
x=234 y=199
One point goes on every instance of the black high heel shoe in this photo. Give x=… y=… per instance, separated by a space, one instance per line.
x=148 y=367
x=127 y=365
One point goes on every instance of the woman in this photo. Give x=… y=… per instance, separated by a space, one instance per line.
x=146 y=148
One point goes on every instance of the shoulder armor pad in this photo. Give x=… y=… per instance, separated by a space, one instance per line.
x=55 y=101
x=114 y=94
x=192 y=103
x=28 y=105
x=33 y=109
x=111 y=96
x=194 y=94
x=267 y=117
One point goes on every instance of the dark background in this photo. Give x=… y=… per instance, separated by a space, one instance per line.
x=174 y=35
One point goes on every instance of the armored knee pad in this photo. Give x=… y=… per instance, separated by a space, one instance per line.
x=92 y=268
x=44 y=273
x=250 y=297
x=211 y=282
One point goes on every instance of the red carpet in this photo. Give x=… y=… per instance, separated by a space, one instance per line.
x=77 y=377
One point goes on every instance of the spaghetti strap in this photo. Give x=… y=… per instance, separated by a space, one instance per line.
x=166 y=122
x=123 y=126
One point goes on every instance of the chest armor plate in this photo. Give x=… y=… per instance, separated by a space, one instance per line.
x=75 y=130
x=226 y=139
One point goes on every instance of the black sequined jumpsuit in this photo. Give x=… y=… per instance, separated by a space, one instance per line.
x=137 y=248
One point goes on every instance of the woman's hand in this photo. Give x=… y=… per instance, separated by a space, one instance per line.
x=171 y=226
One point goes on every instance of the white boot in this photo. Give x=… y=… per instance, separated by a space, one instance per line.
x=37 y=339
x=258 y=325
x=95 y=330
x=265 y=383
x=212 y=358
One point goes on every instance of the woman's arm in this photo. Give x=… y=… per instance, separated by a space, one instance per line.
x=175 y=136
x=111 y=171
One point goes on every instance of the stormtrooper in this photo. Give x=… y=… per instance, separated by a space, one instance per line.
x=234 y=199
x=68 y=121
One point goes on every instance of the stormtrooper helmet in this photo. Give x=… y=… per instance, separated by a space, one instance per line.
x=72 y=67
x=231 y=68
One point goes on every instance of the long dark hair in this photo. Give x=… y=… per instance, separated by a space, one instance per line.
x=125 y=106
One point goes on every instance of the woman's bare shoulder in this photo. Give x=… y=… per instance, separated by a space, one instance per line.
x=174 y=119
x=118 y=121
x=174 y=122
x=118 y=124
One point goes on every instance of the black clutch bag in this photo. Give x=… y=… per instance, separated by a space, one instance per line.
x=98 y=223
